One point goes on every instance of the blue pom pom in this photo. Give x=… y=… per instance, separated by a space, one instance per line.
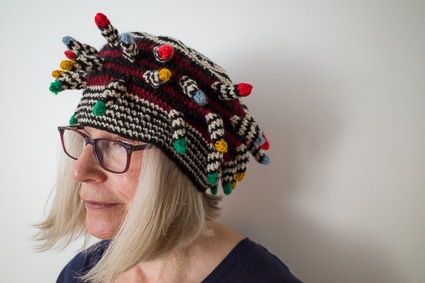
x=67 y=39
x=260 y=141
x=200 y=98
x=126 y=38
x=265 y=160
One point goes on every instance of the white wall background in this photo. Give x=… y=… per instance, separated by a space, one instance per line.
x=339 y=87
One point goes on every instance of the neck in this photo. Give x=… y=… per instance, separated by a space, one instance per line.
x=191 y=263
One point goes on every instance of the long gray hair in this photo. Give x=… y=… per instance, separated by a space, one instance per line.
x=167 y=213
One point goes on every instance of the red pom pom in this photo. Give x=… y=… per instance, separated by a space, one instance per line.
x=244 y=89
x=165 y=51
x=266 y=144
x=69 y=54
x=101 y=20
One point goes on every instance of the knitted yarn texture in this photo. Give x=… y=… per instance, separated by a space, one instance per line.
x=155 y=89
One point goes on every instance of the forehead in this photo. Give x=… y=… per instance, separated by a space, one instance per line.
x=97 y=133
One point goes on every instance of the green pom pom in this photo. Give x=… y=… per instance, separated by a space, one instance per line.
x=214 y=190
x=180 y=145
x=99 y=108
x=73 y=121
x=212 y=178
x=55 y=86
x=227 y=188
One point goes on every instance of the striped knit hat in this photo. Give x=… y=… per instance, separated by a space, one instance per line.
x=157 y=90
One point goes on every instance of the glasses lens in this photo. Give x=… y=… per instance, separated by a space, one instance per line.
x=111 y=155
x=73 y=143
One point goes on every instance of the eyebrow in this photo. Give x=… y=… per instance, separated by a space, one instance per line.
x=113 y=137
x=84 y=131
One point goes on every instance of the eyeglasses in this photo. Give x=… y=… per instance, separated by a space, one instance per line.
x=112 y=155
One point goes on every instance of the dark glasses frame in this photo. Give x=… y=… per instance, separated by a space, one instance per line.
x=130 y=148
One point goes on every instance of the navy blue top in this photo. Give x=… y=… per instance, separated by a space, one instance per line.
x=248 y=262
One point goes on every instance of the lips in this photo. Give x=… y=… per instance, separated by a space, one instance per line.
x=99 y=205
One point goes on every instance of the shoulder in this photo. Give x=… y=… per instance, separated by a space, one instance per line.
x=82 y=263
x=251 y=262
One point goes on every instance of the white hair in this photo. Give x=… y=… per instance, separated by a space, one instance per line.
x=167 y=213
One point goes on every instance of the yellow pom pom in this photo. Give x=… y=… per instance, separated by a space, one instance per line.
x=239 y=176
x=221 y=145
x=57 y=73
x=67 y=65
x=164 y=75
x=233 y=185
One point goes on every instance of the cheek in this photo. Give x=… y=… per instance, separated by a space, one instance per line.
x=127 y=182
x=126 y=188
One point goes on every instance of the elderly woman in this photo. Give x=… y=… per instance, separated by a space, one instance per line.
x=158 y=129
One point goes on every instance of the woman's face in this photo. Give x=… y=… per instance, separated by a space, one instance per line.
x=107 y=196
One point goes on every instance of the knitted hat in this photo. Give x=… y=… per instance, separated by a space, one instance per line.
x=156 y=90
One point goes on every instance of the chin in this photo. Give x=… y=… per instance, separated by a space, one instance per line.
x=103 y=229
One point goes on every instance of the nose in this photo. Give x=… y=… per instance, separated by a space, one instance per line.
x=86 y=168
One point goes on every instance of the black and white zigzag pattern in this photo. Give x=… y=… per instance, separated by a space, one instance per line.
x=214 y=161
x=129 y=49
x=242 y=158
x=152 y=78
x=215 y=126
x=79 y=48
x=142 y=120
x=86 y=63
x=225 y=91
x=228 y=171
x=188 y=86
x=196 y=117
x=111 y=35
x=73 y=80
x=178 y=128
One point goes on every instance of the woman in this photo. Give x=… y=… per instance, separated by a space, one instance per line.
x=158 y=129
